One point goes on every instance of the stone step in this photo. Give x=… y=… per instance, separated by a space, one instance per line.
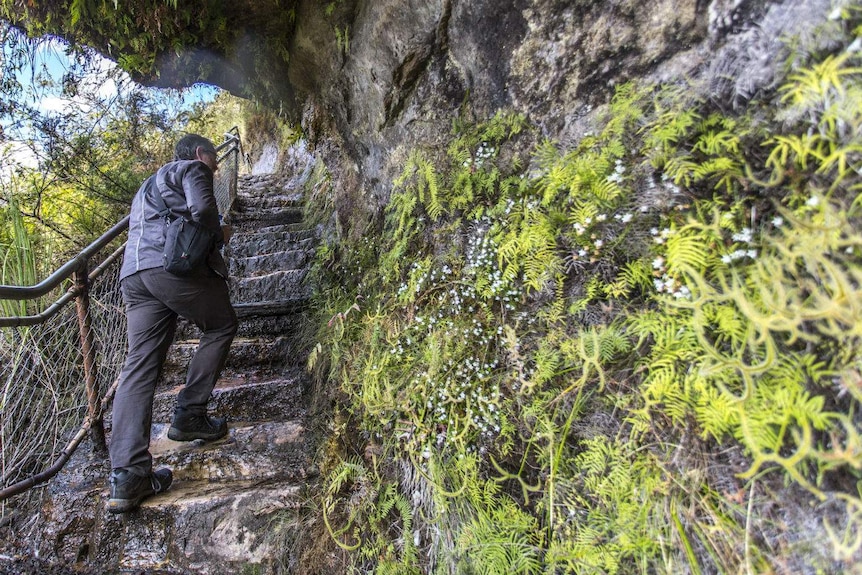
x=246 y=398
x=281 y=285
x=290 y=259
x=297 y=230
x=260 y=354
x=246 y=202
x=271 y=200
x=262 y=243
x=310 y=232
x=257 y=319
x=277 y=308
x=251 y=450
x=295 y=325
x=207 y=527
x=244 y=218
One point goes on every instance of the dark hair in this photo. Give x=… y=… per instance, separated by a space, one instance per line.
x=188 y=145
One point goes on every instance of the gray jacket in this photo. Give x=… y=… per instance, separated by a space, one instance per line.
x=187 y=189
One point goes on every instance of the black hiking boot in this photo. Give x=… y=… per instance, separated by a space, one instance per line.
x=128 y=489
x=188 y=427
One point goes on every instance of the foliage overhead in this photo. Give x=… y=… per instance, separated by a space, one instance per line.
x=78 y=137
x=240 y=46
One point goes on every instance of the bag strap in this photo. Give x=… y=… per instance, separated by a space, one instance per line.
x=164 y=210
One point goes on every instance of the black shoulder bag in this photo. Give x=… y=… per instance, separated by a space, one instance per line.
x=187 y=243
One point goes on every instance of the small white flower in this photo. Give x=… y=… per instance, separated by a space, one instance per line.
x=682 y=293
x=658 y=263
x=777 y=221
x=626 y=218
x=813 y=201
x=744 y=235
x=726 y=258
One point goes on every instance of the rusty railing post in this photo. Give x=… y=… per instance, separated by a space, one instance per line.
x=235 y=183
x=88 y=351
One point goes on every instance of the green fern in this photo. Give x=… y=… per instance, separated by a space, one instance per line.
x=528 y=247
x=809 y=87
x=634 y=275
x=500 y=539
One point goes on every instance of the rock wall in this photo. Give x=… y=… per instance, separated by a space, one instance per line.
x=409 y=67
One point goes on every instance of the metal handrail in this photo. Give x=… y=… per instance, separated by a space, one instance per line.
x=77 y=269
x=74 y=291
x=64 y=271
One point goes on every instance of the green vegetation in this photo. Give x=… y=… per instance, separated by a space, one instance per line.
x=70 y=170
x=614 y=358
x=20 y=264
x=166 y=42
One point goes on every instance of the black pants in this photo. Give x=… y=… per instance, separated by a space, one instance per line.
x=154 y=298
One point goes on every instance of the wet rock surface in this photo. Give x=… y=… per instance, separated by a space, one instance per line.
x=33 y=566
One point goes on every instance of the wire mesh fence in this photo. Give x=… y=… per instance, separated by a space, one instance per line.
x=224 y=183
x=43 y=399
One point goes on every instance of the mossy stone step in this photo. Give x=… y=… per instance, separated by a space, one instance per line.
x=207 y=527
x=247 y=355
x=273 y=242
x=256 y=320
x=251 y=450
x=290 y=259
x=241 y=399
x=280 y=285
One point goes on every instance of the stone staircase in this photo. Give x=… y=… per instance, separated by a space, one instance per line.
x=230 y=506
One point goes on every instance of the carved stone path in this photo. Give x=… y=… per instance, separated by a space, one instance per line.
x=230 y=506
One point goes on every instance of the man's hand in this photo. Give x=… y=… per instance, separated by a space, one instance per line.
x=227 y=231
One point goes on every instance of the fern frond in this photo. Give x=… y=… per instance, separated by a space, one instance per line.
x=686 y=249
x=810 y=86
x=681 y=168
x=720 y=142
x=605 y=191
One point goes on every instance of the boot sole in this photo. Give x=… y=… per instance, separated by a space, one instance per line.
x=124 y=505
x=175 y=434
